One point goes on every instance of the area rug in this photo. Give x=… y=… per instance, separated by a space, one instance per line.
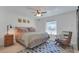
x=47 y=47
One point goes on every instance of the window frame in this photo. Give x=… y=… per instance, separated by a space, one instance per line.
x=50 y=25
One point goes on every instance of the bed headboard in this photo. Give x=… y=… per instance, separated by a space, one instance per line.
x=25 y=29
x=19 y=31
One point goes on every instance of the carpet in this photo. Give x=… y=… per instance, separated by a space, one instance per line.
x=47 y=47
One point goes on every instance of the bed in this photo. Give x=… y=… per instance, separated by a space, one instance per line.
x=28 y=37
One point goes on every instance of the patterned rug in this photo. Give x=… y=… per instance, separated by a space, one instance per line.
x=47 y=47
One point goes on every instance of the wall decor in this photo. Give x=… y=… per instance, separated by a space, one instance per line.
x=19 y=20
x=28 y=21
x=24 y=20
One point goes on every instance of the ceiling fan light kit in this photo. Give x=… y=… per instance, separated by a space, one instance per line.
x=38 y=15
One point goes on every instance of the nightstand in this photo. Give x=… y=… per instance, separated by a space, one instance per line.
x=8 y=40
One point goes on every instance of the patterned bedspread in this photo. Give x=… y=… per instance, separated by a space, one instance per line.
x=47 y=47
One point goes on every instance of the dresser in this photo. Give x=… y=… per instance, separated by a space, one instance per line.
x=8 y=40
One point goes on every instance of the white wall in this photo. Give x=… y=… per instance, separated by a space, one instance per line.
x=65 y=22
x=9 y=17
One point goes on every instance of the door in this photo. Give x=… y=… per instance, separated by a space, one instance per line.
x=77 y=12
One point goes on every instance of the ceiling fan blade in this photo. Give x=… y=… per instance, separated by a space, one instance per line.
x=34 y=12
x=37 y=11
x=43 y=12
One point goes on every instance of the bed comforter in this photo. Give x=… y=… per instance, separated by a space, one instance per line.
x=32 y=39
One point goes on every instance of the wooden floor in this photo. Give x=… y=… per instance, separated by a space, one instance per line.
x=12 y=49
x=17 y=47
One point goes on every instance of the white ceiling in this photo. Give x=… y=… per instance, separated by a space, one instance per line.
x=51 y=10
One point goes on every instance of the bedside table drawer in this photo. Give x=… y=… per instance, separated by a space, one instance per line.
x=8 y=40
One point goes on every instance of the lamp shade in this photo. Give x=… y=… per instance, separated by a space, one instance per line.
x=8 y=28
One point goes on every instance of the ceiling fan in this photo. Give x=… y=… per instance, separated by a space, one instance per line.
x=39 y=13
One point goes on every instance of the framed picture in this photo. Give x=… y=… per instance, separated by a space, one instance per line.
x=24 y=20
x=28 y=21
x=19 y=20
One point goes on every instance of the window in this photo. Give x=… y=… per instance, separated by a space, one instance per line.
x=51 y=27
